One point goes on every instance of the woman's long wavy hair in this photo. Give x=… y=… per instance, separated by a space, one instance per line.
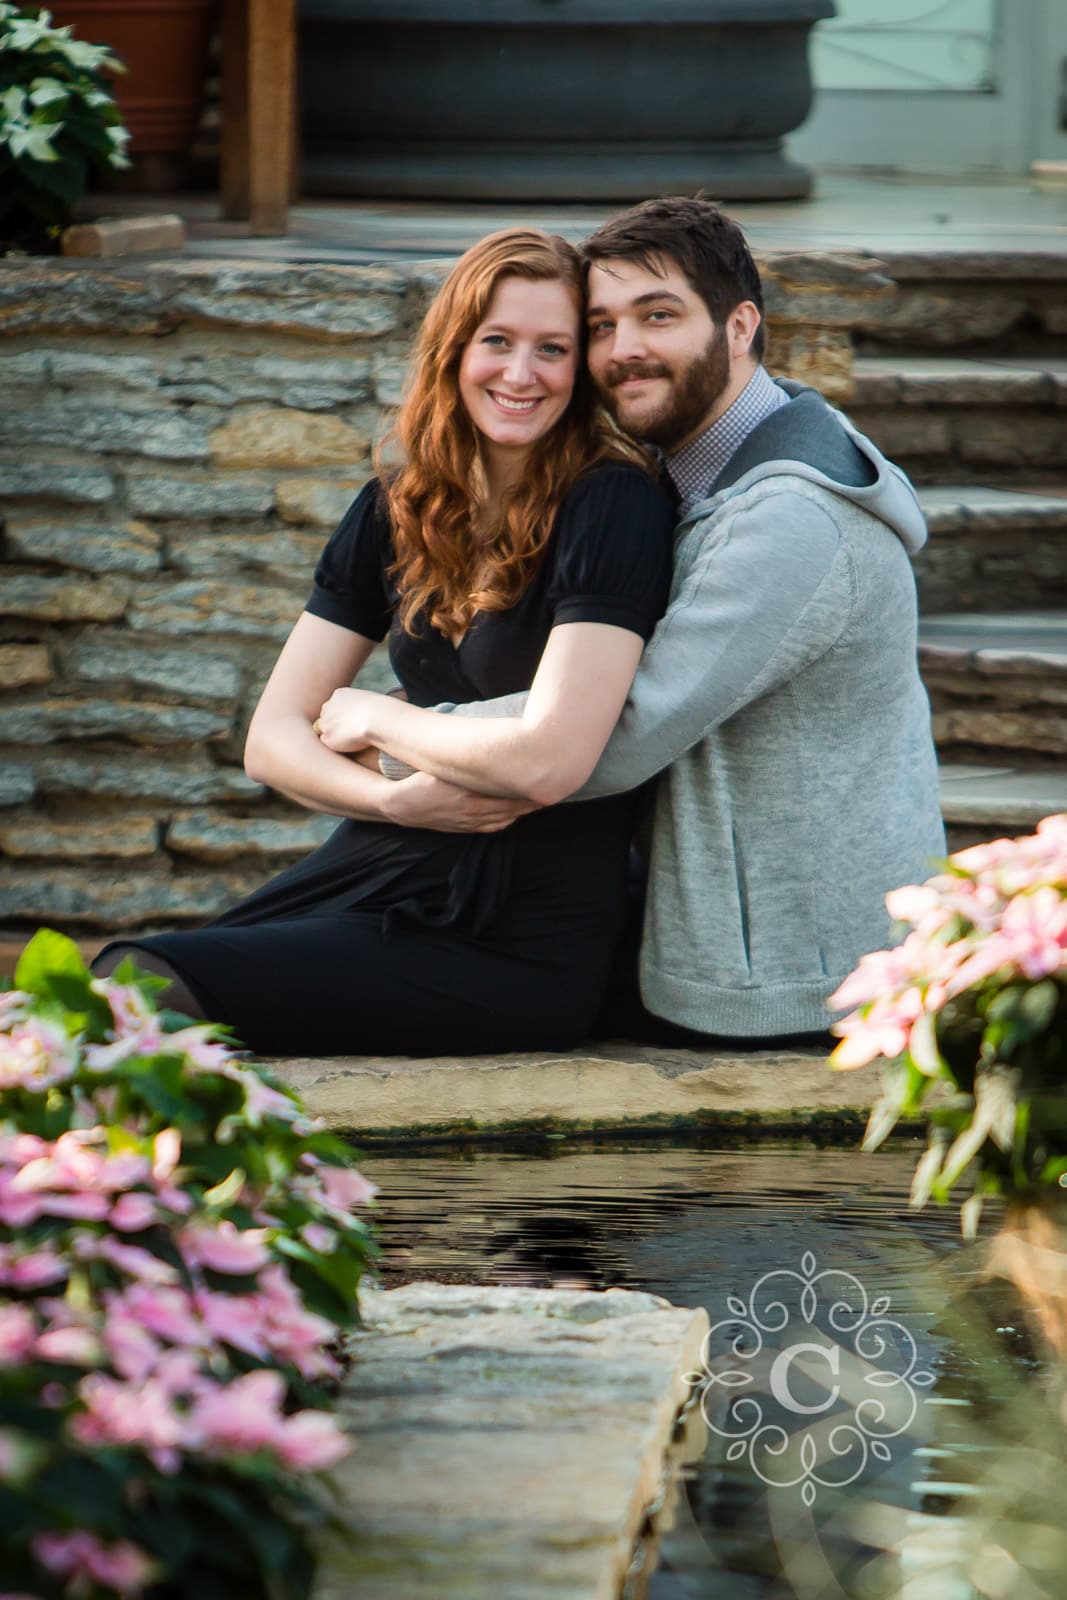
x=435 y=497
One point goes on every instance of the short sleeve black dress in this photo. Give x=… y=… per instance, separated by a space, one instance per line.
x=406 y=941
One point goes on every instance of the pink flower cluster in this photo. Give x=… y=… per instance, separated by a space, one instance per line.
x=78 y=1177
x=86 y=1560
x=139 y=1306
x=162 y=1332
x=35 y=1054
x=1001 y=912
x=179 y=1411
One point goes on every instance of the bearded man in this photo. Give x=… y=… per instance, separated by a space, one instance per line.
x=779 y=699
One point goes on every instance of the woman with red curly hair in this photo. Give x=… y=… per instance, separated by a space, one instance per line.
x=520 y=544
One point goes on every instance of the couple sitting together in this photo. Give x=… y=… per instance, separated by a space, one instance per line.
x=640 y=597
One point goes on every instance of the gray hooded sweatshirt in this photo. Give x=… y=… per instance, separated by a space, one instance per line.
x=780 y=700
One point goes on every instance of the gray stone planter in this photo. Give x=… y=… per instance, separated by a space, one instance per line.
x=554 y=99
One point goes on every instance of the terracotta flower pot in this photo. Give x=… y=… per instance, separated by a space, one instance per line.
x=164 y=44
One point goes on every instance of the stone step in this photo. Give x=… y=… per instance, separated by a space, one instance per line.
x=596 y=1088
x=993 y=549
x=980 y=802
x=970 y=416
x=996 y=642
x=511 y=1443
x=1000 y=380
x=997 y=681
x=986 y=299
x=975 y=508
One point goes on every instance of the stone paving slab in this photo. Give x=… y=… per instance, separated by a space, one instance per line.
x=973 y=508
x=594 y=1088
x=1007 y=797
x=959 y=380
x=954 y=228
x=995 y=643
x=508 y=1441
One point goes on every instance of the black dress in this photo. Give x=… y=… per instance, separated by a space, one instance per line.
x=390 y=940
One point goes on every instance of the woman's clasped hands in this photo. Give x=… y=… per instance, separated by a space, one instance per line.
x=344 y=723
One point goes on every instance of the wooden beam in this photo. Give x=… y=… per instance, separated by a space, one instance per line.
x=234 y=151
x=271 y=121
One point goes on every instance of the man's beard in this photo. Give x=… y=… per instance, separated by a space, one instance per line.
x=693 y=392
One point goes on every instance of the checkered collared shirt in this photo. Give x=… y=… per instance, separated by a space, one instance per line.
x=694 y=469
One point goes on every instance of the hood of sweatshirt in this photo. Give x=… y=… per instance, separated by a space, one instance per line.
x=809 y=439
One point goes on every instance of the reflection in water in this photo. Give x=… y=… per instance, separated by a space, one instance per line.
x=966 y=1493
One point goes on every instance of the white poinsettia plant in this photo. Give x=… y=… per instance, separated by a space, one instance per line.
x=58 y=123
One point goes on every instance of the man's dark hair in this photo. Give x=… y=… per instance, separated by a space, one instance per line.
x=707 y=246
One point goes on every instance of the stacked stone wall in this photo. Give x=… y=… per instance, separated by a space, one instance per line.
x=176 y=442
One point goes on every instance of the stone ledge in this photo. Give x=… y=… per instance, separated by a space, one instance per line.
x=1008 y=381
x=509 y=1442
x=973 y=508
x=596 y=1088
x=995 y=644
x=1011 y=798
x=978 y=266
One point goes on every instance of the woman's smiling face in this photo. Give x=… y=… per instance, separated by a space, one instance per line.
x=516 y=376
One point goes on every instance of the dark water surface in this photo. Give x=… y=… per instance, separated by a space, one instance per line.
x=873 y=1422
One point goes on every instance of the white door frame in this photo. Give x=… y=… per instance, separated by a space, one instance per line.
x=987 y=132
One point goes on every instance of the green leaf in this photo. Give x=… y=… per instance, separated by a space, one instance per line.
x=926 y=1172
x=90 y=1011
x=149 y=983
x=922 y=1046
x=48 y=955
x=970 y=1215
x=226 y=1191
x=1038 y=1006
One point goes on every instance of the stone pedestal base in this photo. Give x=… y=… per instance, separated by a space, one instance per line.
x=760 y=171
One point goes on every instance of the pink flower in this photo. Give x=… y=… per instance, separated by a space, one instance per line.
x=75 y=1346
x=134 y=1261
x=132 y=1213
x=294 y=1334
x=881 y=972
x=234 y=1319
x=35 y=1055
x=344 y=1187
x=86 y=1560
x=920 y=905
x=167 y=1149
x=12 y=1005
x=311 y=1441
x=132 y=1350
x=79 y=1161
x=199 y=1047
x=138 y=1030
x=224 y=1248
x=244 y=1415
x=1035 y=925
x=18 y=1331
x=124 y=1413
x=166 y=1312
x=861 y=1043
x=320 y=1237
x=17 y=1210
x=36 y=1269
x=260 y=1099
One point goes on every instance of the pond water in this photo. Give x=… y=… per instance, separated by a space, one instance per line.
x=873 y=1421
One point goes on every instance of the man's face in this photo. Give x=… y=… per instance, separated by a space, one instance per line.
x=659 y=361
